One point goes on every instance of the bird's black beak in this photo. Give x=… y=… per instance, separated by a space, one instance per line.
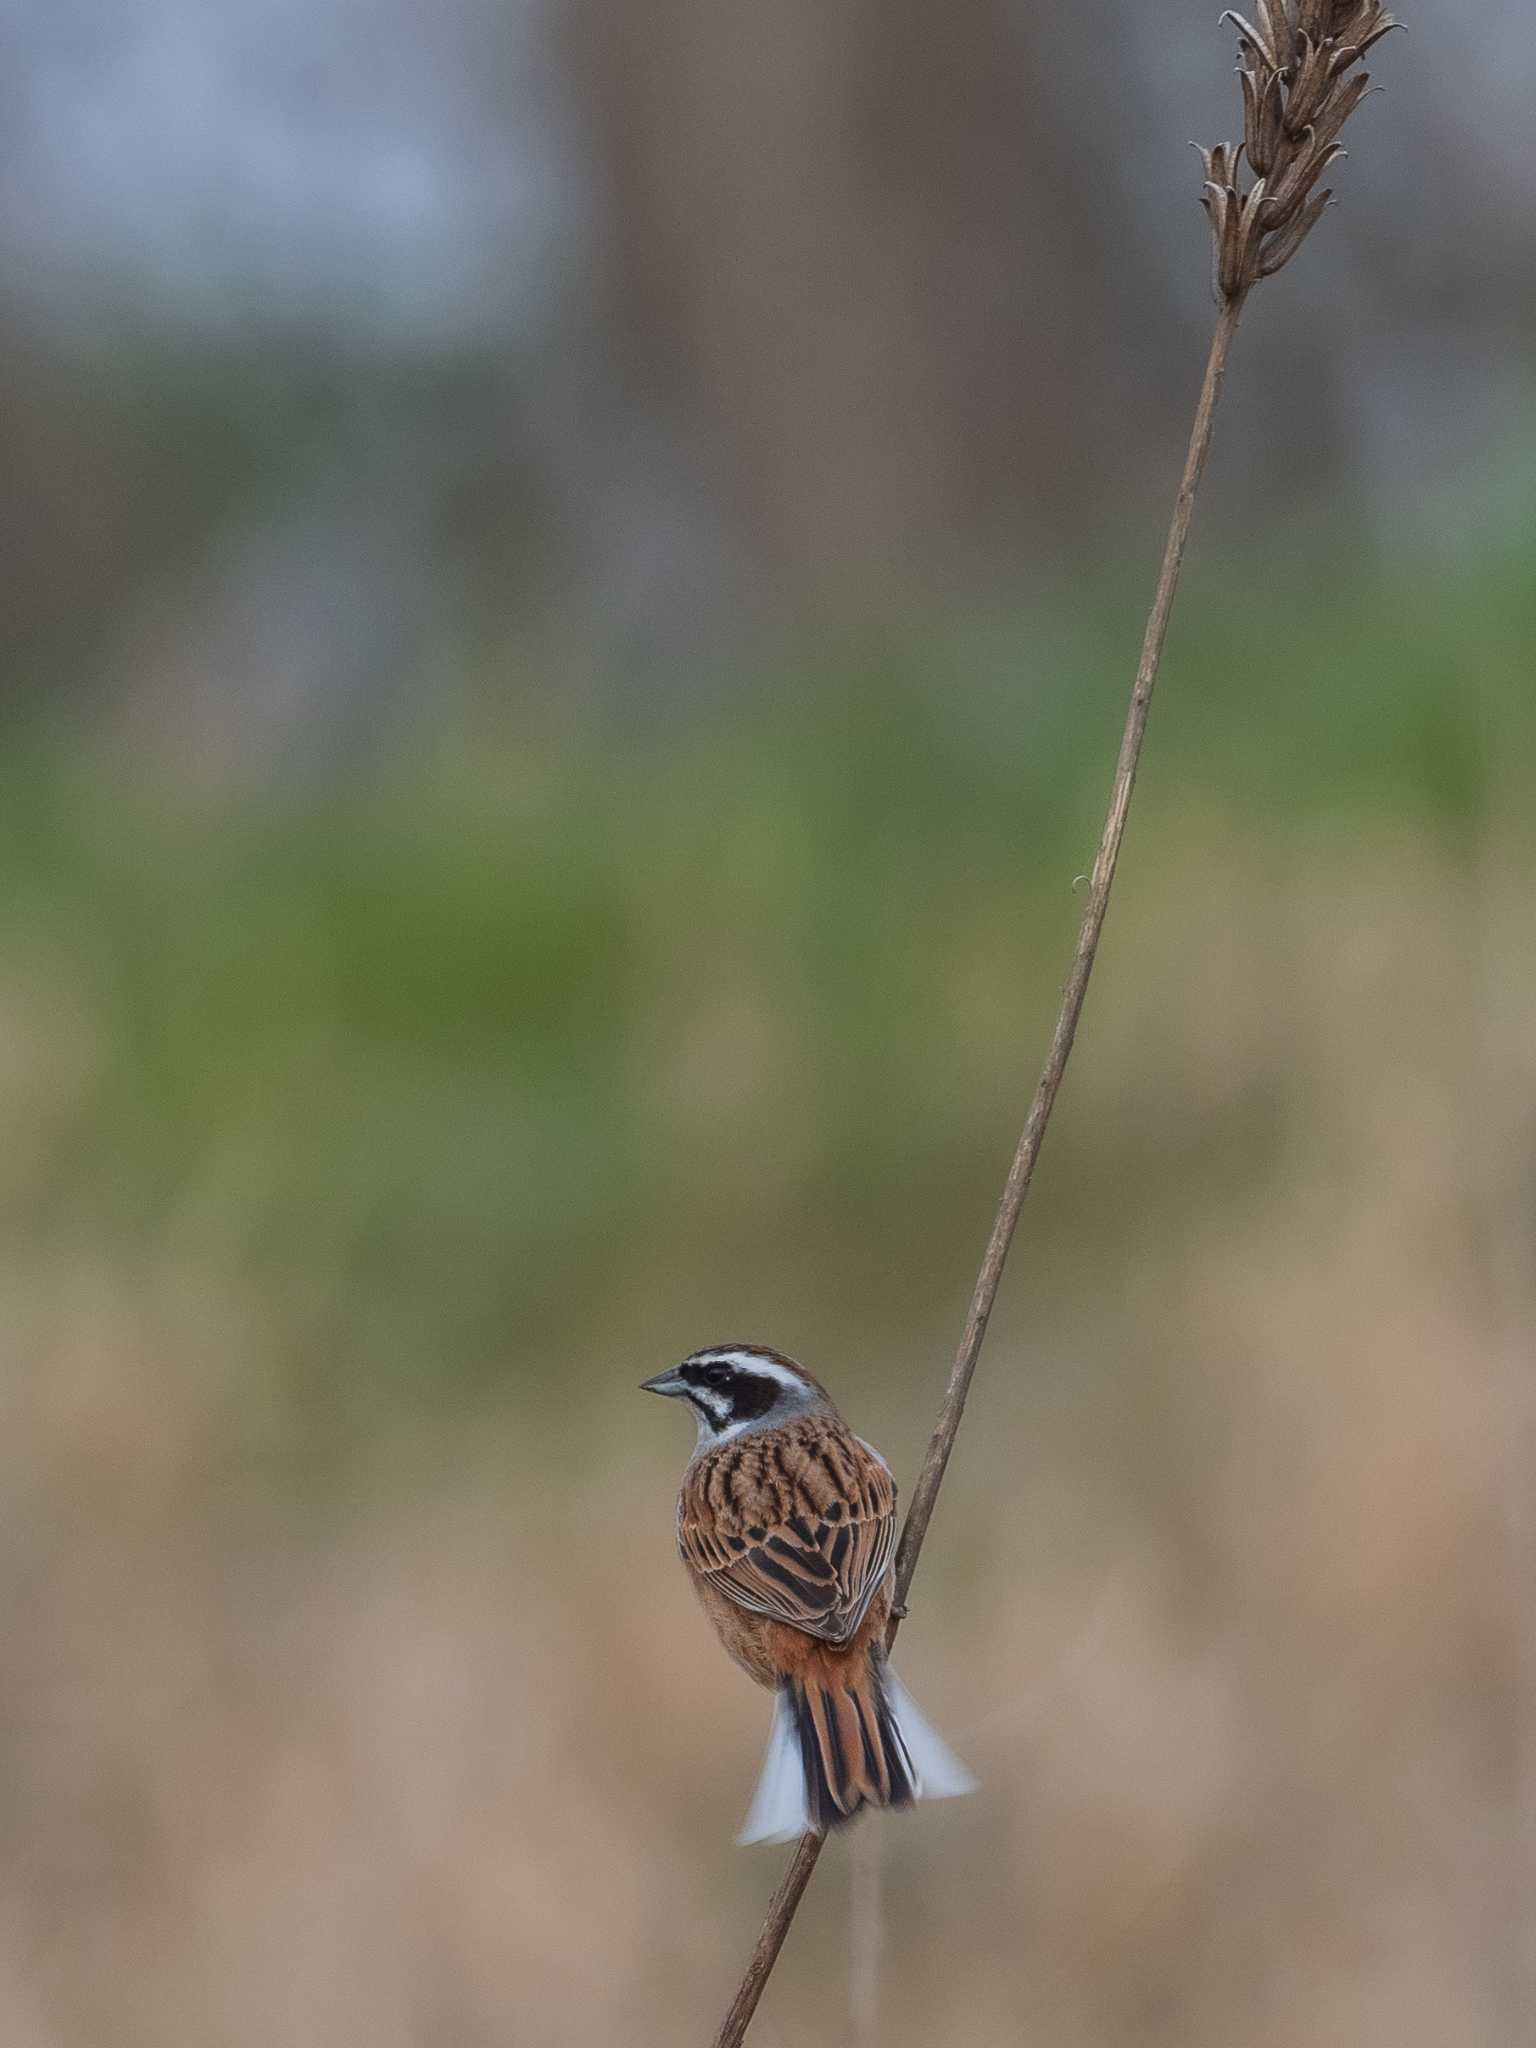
x=668 y=1382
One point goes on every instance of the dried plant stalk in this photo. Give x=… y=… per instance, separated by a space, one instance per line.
x=1300 y=84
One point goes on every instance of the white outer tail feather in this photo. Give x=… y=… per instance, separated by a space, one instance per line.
x=938 y=1772
x=779 y=1812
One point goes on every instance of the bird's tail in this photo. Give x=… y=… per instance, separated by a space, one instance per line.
x=842 y=1740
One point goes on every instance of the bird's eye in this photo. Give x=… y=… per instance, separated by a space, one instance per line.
x=716 y=1375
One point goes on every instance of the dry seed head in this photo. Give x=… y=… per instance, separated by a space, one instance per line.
x=1300 y=85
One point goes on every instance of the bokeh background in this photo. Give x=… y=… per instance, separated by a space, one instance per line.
x=572 y=571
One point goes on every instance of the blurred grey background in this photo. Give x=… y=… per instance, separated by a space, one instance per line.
x=336 y=334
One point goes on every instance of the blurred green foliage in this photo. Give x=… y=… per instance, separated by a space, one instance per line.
x=551 y=1039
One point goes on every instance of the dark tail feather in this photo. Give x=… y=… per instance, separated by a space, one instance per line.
x=851 y=1748
x=843 y=1738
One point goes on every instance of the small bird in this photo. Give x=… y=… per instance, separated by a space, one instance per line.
x=787 y=1524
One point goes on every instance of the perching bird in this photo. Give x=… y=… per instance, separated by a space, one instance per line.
x=787 y=1523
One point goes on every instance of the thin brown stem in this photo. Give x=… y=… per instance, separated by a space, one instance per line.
x=926 y=1493
x=786 y=1899
x=781 y=1910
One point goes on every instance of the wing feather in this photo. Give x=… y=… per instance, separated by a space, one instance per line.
x=824 y=1531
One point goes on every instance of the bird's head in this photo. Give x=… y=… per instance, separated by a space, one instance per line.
x=734 y=1388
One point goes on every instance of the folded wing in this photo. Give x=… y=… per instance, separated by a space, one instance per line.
x=824 y=1544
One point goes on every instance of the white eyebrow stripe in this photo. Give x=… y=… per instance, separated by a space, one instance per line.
x=752 y=1362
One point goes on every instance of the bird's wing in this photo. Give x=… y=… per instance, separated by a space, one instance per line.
x=803 y=1531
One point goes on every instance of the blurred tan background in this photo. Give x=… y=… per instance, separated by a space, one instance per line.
x=573 y=572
